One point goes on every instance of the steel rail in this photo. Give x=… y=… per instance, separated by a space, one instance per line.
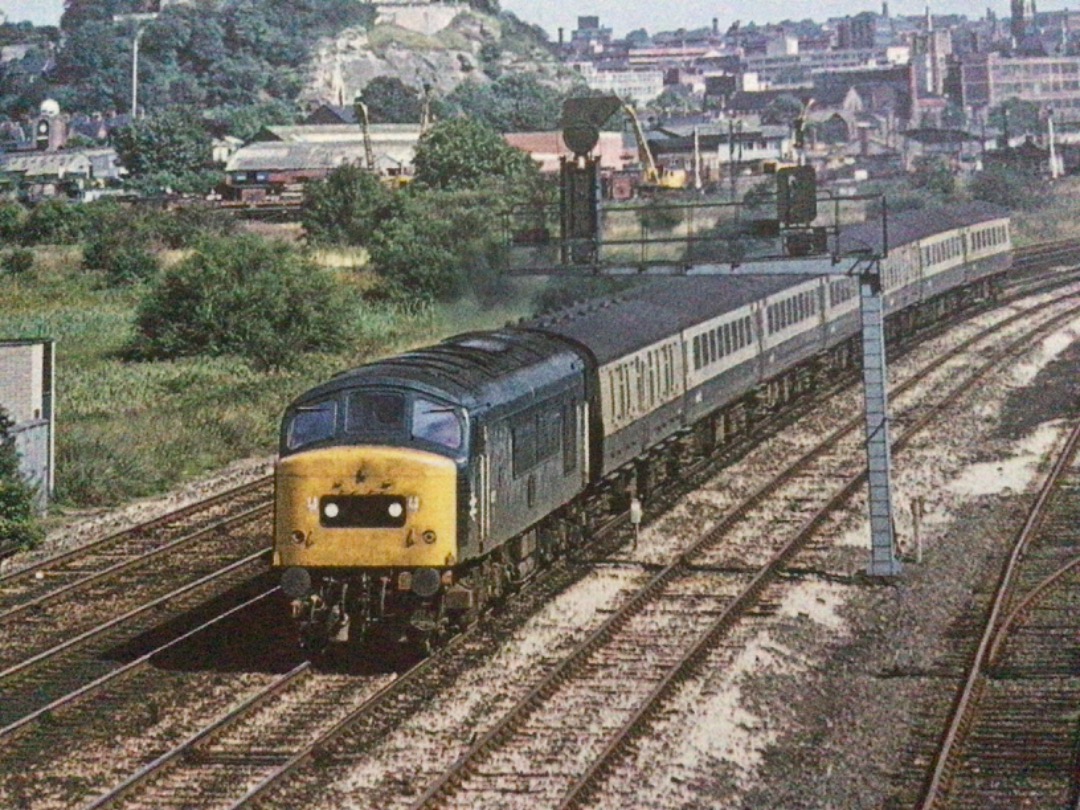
x=120 y=536
x=151 y=769
x=135 y=562
x=937 y=785
x=88 y=689
x=310 y=749
x=577 y=658
x=103 y=628
x=1033 y=596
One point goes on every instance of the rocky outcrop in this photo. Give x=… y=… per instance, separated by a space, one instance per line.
x=344 y=64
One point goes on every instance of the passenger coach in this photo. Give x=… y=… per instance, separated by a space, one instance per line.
x=413 y=491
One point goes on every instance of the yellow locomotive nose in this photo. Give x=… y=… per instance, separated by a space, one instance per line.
x=365 y=507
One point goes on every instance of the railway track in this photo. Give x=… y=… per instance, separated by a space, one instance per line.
x=262 y=764
x=679 y=619
x=141 y=692
x=1011 y=738
x=67 y=582
x=33 y=584
x=70 y=640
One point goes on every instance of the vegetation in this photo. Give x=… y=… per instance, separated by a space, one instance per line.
x=932 y=173
x=244 y=296
x=128 y=428
x=464 y=154
x=346 y=208
x=440 y=237
x=18 y=261
x=390 y=101
x=169 y=151
x=18 y=526
x=513 y=102
x=1016 y=117
x=235 y=54
x=1010 y=188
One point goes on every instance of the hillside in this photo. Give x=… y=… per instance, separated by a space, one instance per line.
x=252 y=62
x=440 y=45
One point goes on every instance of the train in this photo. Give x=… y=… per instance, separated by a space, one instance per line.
x=412 y=492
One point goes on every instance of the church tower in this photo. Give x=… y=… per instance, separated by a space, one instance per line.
x=1023 y=19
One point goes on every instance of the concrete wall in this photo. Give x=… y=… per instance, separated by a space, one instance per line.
x=26 y=393
x=32 y=442
x=21 y=389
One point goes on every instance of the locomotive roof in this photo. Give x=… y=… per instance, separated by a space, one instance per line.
x=474 y=369
x=656 y=310
x=911 y=226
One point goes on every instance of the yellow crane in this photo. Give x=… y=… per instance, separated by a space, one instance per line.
x=655 y=176
x=365 y=125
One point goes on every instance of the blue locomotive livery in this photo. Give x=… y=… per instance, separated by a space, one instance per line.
x=413 y=491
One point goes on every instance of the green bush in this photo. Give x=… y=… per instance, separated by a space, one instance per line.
x=660 y=215
x=185 y=227
x=53 y=222
x=18 y=525
x=12 y=216
x=243 y=296
x=1009 y=188
x=120 y=258
x=19 y=261
x=438 y=246
x=348 y=207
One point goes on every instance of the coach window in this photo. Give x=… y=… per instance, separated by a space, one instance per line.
x=436 y=423
x=697 y=355
x=312 y=423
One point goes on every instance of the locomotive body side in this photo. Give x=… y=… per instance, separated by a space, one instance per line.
x=397 y=478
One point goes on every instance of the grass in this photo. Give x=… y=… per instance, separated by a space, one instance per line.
x=385 y=36
x=131 y=429
x=1058 y=219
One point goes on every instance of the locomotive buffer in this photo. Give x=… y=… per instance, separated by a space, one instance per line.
x=804 y=251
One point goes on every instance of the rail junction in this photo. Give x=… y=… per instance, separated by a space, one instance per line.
x=275 y=738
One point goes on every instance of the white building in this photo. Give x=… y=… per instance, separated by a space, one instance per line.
x=639 y=85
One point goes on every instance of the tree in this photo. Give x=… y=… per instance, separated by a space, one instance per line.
x=390 y=101
x=18 y=526
x=175 y=141
x=1016 y=117
x=512 y=102
x=1009 y=188
x=171 y=145
x=246 y=121
x=674 y=101
x=348 y=207
x=783 y=110
x=463 y=154
x=246 y=296
x=932 y=173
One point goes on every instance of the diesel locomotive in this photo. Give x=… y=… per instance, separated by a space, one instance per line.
x=413 y=491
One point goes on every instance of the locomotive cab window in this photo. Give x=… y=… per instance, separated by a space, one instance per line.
x=311 y=424
x=375 y=412
x=436 y=423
